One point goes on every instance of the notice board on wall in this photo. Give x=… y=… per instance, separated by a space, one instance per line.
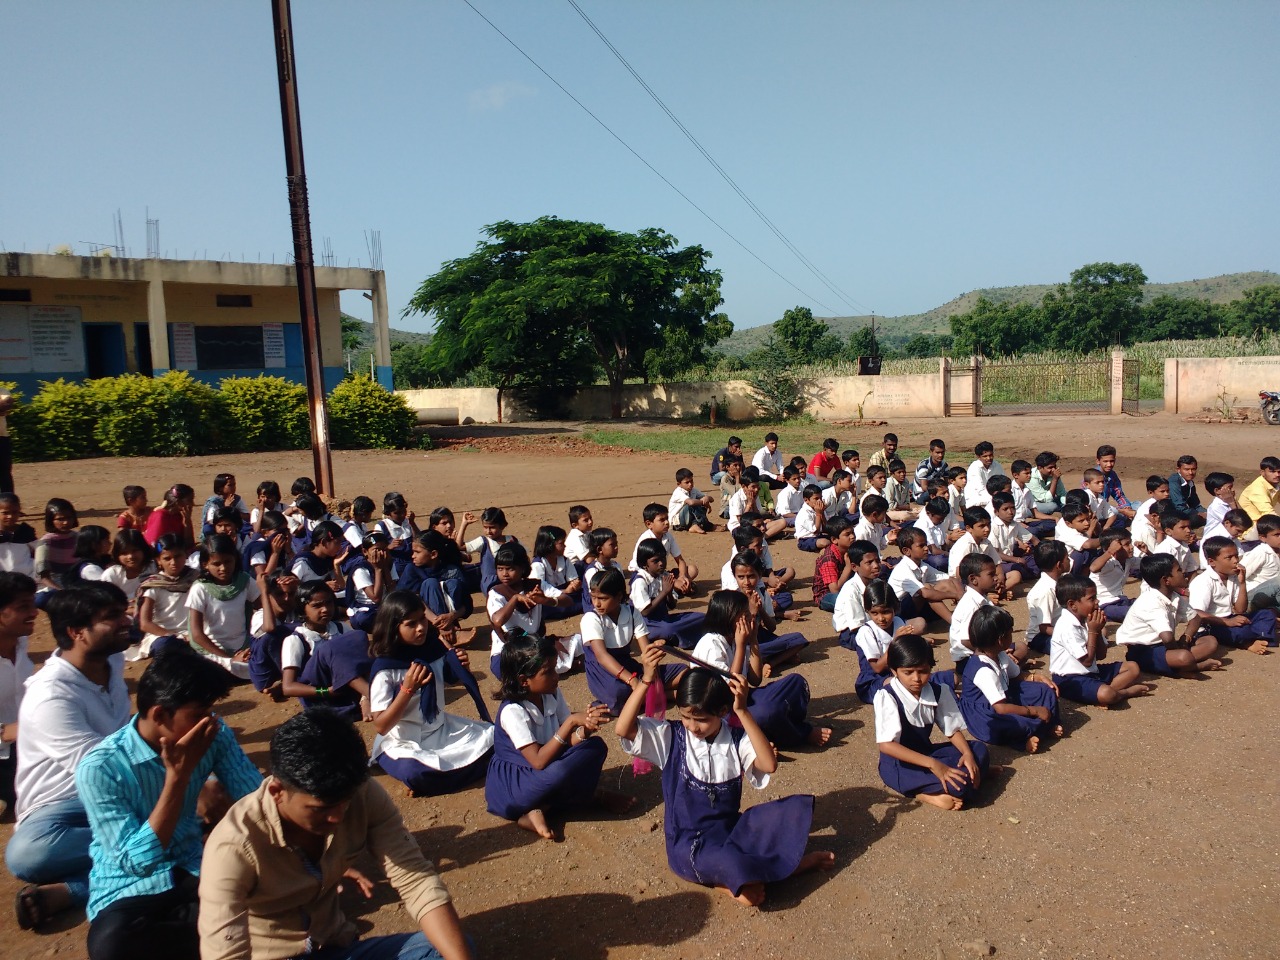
x=41 y=339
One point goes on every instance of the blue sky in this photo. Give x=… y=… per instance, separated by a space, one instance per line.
x=911 y=151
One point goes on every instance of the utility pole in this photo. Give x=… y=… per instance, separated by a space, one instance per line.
x=304 y=267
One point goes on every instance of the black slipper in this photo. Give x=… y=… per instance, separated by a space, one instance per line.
x=28 y=907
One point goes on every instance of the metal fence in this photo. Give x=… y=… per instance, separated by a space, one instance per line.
x=1082 y=386
x=1130 y=389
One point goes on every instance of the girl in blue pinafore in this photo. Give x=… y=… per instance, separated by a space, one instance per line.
x=710 y=839
x=730 y=644
x=320 y=663
x=998 y=703
x=778 y=650
x=545 y=758
x=907 y=707
x=873 y=638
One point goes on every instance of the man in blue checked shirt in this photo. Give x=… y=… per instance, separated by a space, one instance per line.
x=140 y=786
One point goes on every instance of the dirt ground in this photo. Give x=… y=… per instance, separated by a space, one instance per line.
x=1148 y=831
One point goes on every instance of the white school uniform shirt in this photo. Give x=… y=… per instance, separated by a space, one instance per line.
x=833 y=504
x=935 y=534
x=850 y=613
x=92 y=572
x=361 y=580
x=644 y=590
x=1151 y=615
x=677 y=501
x=868 y=492
x=908 y=577
x=13 y=677
x=616 y=634
x=534 y=723
x=957 y=500
x=966 y=545
x=1005 y=535
x=237 y=504
x=395 y=531
x=727 y=580
x=856 y=477
x=18 y=558
x=1210 y=593
x=1109 y=581
x=226 y=622
x=788 y=500
x=1187 y=559
x=448 y=742
x=1042 y=605
x=668 y=541
x=806 y=522
x=594 y=570
x=553 y=573
x=168 y=611
x=1142 y=529
x=1102 y=509
x=116 y=574
x=62 y=717
x=717 y=650
x=1070 y=642
x=738 y=505
x=530 y=621
x=1216 y=510
x=576 y=546
x=301 y=644
x=475 y=545
x=994 y=683
x=872 y=641
x=1261 y=566
x=969 y=602
x=925 y=711
x=976 y=485
x=1069 y=537
x=769 y=464
x=712 y=761
x=876 y=533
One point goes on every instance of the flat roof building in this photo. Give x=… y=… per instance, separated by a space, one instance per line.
x=85 y=317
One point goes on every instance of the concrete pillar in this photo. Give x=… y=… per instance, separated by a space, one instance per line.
x=1171 y=385
x=1117 y=382
x=381 y=329
x=944 y=384
x=157 y=325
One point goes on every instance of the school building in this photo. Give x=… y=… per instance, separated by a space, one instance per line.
x=84 y=317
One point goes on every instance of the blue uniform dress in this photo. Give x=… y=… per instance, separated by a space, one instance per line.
x=776 y=646
x=870 y=643
x=909 y=778
x=334 y=663
x=710 y=839
x=780 y=707
x=617 y=636
x=980 y=715
x=513 y=787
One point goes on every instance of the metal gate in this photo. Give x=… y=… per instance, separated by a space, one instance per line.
x=962 y=392
x=1129 y=388
x=1015 y=387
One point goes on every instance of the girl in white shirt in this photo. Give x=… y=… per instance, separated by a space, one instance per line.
x=317 y=664
x=220 y=604
x=551 y=568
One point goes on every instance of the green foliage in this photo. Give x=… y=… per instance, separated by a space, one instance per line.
x=1180 y=318
x=862 y=343
x=264 y=413
x=995 y=329
x=1258 y=311
x=352 y=332
x=411 y=367
x=776 y=392
x=804 y=338
x=169 y=416
x=928 y=345
x=64 y=415
x=363 y=414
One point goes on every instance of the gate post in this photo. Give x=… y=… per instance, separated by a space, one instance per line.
x=1117 y=382
x=944 y=379
x=977 y=385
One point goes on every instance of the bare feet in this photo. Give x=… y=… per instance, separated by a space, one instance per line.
x=794 y=615
x=697 y=529
x=614 y=802
x=1258 y=646
x=943 y=801
x=1138 y=690
x=535 y=821
x=766 y=671
x=464 y=637
x=752 y=894
x=1033 y=744
x=815 y=860
x=1210 y=664
x=819 y=736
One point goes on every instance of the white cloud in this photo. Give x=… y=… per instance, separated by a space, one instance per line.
x=498 y=95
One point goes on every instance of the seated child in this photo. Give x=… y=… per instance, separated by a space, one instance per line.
x=777 y=650
x=749 y=499
x=731 y=452
x=400 y=525
x=603 y=544
x=1235 y=523
x=1108 y=517
x=272 y=548
x=224 y=496
x=907 y=708
x=370 y=580
x=551 y=569
x=832 y=568
x=977 y=572
x=136 y=512
x=1222 y=487
x=773 y=580
x=874 y=527
x=981 y=471
x=323 y=559
x=837 y=499
x=1149 y=632
x=162 y=596
x=55 y=552
x=172 y=516
x=1048 y=492
x=877 y=484
x=976 y=539
x=651 y=595
x=515 y=603
x=92 y=556
x=17 y=539
x=730 y=483
x=933 y=523
x=998 y=703
x=874 y=637
x=850 y=461
x=1145 y=524
x=266 y=646
x=790 y=498
x=658 y=527
x=1075 y=531
x=897 y=490
x=688 y=505
x=1078 y=645
x=320 y=664
x=731 y=644
x=1220 y=598
x=545 y=757
x=957 y=480
x=430 y=751
x=576 y=549
x=442 y=585
x=1109 y=572
x=268 y=500
x=1040 y=524
x=920 y=588
x=1042 y=599
x=823 y=464
x=1011 y=540
x=1262 y=564
x=1112 y=490
x=811 y=534
x=717 y=843
x=1176 y=541
x=219 y=603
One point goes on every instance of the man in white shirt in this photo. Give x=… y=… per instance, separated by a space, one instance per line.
x=78 y=698
x=768 y=460
x=17 y=620
x=980 y=471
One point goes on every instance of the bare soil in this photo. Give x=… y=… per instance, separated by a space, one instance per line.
x=1148 y=831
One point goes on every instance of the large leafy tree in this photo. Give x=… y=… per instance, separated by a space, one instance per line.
x=1100 y=306
x=1258 y=311
x=804 y=337
x=554 y=301
x=995 y=329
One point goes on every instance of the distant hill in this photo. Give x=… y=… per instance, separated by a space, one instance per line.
x=898 y=330
x=397 y=336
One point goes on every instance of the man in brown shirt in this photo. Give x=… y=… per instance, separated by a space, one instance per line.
x=270 y=873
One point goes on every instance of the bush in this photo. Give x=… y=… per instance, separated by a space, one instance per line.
x=264 y=413
x=776 y=392
x=169 y=416
x=365 y=414
x=63 y=416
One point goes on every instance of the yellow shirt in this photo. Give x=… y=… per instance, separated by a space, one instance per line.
x=1259 y=498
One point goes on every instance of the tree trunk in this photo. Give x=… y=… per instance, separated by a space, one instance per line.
x=615 y=396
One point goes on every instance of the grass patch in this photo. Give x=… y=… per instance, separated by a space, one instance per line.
x=702 y=442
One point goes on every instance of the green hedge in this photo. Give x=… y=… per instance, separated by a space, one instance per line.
x=176 y=415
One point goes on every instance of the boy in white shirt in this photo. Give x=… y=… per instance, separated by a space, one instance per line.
x=1222 y=486
x=957 y=481
x=980 y=471
x=1042 y=599
x=1075 y=532
x=656 y=519
x=809 y=521
x=877 y=482
x=1176 y=542
x=1220 y=598
x=1078 y=645
x=687 y=508
x=921 y=589
x=1025 y=502
x=977 y=572
x=790 y=497
x=576 y=545
x=1109 y=571
x=872 y=526
x=1234 y=525
x=933 y=524
x=850 y=613
x=768 y=461
x=837 y=499
x=851 y=460
x=1146 y=524
x=1149 y=631
x=1262 y=563
x=1103 y=511
x=977 y=524
x=1012 y=541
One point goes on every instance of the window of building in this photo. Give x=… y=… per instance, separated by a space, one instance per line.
x=235 y=300
x=229 y=348
x=15 y=296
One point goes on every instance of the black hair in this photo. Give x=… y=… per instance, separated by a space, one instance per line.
x=1019 y=466
x=393 y=502
x=1214 y=546
x=1187 y=460
x=309 y=588
x=362 y=507
x=975 y=515
x=177 y=493
x=320 y=754
x=1001 y=499
x=324 y=531
x=218 y=543
x=724 y=609
x=172 y=541
x=972 y=564
x=751 y=475
x=650 y=549
x=302 y=485
x=220 y=482
x=811 y=490
x=910 y=651
x=1049 y=554
x=1155 y=567
x=272 y=521
x=954 y=473
x=984 y=446
x=59 y=507
x=576 y=513
x=859 y=550
x=310 y=506
x=684 y=473
x=1046 y=458
x=770 y=436
x=749 y=518
x=734 y=442
x=1073 y=589
x=440 y=514
x=513 y=556
x=1106 y=450
x=376 y=538
x=271 y=489
x=178 y=677
x=228 y=515
x=133 y=492
x=1092 y=473
x=89 y=542
x=873 y=503
x=747 y=558
x=652 y=511
x=127 y=541
x=1155 y=482
x=446 y=550
x=1170 y=518
x=788 y=472
x=1077 y=496
x=15 y=586
x=988 y=626
x=998 y=484
x=836 y=526
x=494 y=517
x=611 y=583
x=891 y=436
x=831 y=443
x=1217 y=480
x=1109 y=537
x=1268 y=524
x=75 y=608
x=1269 y=463
x=705 y=691
x=396 y=606
x=1073 y=509
x=598 y=537
x=523 y=657
x=544 y=544
x=895 y=465
x=937 y=507
x=744 y=535
x=937 y=442
x=908 y=537
x=879 y=594
x=875 y=470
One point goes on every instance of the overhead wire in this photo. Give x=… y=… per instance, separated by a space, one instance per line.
x=635 y=153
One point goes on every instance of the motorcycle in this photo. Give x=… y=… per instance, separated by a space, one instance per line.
x=1269 y=401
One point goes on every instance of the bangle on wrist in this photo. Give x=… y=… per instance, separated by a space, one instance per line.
x=621 y=671
x=560 y=740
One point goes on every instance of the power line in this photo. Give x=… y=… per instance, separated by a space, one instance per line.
x=774 y=228
x=652 y=168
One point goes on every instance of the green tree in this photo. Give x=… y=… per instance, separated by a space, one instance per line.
x=553 y=301
x=1100 y=306
x=1258 y=311
x=995 y=329
x=352 y=332
x=804 y=337
x=862 y=343
x=1180 y=318
x=927 y=345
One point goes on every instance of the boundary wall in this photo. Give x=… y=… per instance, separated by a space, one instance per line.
x=1195 y=384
